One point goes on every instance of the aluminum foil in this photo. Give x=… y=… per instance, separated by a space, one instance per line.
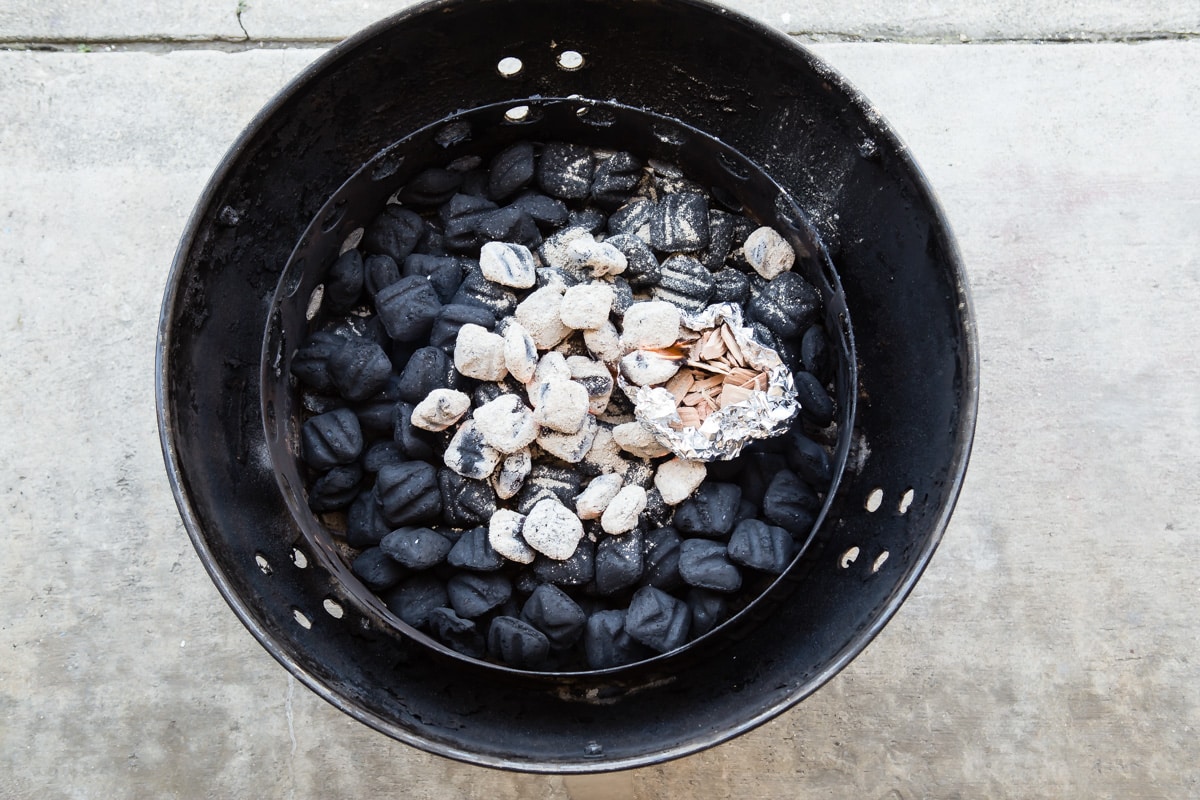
x=723 y=434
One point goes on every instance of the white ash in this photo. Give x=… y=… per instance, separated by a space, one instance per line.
x=552 y=366
x=604 y=342
x=605 y=454
x=552 y=529
x=508 y=264
x=506 y=424
x=479 y=353
x=520 y=353
x=468 y=454
x=595 y=378
x=768 y=252
x=555 y=250
x=652 y=324
x=509 y=479
x=504 y=535
x=678 y=478
x=638 y=440
x=539 y=315
x=562 y=406
x=598 y=258
x=623 y=511
x=440 y=409
x=586 y=306
x=591 y=502
x=646 y=368
x=570 y=447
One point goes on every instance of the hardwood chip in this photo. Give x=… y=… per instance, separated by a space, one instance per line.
x=735 y=352
x=734 y=394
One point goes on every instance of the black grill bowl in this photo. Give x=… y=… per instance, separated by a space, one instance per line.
x=741 y=107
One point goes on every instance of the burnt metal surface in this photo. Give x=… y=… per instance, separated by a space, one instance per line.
x=736 y=81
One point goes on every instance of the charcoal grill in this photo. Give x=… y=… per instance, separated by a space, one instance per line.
x=741 y=108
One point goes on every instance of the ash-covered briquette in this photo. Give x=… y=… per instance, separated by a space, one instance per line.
x=461 y=377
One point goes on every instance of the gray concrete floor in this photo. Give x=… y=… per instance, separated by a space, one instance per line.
x=1049 y=651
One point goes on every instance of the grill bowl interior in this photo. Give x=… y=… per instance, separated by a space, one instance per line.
x=667 y=69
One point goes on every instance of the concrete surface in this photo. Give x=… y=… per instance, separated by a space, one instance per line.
x=1048 y=652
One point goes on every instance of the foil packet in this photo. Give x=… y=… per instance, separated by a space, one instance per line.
x=723 y=434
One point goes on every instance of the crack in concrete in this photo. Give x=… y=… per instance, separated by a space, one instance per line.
x=167 y=44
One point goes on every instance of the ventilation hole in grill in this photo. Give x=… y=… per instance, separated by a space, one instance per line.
x=334 y=217
x=570 y=60
x=518 y=115
x=848 y=557
x=314 y=302
x=351 y=241
x=882 y=557
x=874 y=500
x=509 y=66
x=263 y=564
x=299 y=559
x=730 y=165
x=333 y=608
x=302 y=619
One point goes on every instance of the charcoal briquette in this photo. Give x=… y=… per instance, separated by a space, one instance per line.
x=705 y=564
x=547 y=212
x=365 y=525
x=377 y=570
x=642 y=268
x=510 y=225
x=619 y=562
x=686 y=276
x=590 y=219
x=815 y=403
x=607 y=644
x=394 y=233
x=517 y=643
x=555 y=614
x=565 y=170
x=475 y=183
x=720 y=240
x=660 y=556
x=578 y=570
x=330 y=439
x=511 y=170
x=459 y=216
x=452 y=317
x=477 y=290
x=379 y=272
x=427 y=369
x=310 y=364
x=633 y=218
x=815 y=352
x=746 y=510
x=416 y=548
x=343 y=283
x=408 y=493
x=757 y=469
x=416 y=598
x=731 y=286
x=408 y=308
x=460 y=635
x=412 y=442
x=680 y=223
x=615 y=180
x=335 y=489
x=708 y=610
x=658 y=620
x=473 y=594
x=790 y=503
x=359 y=369
x=622 y=296
x=760 y=546
x=710 y=510
x=787 y=304
x=809 y=459
x=430 y=187
x=473 y=551
x=465 y=502
x=445 y=273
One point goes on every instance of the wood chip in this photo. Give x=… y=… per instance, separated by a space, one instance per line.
x=681 y=384
x=709 y=382
x=689 y=417
x=733 y=394
x=735 y=352
x=708 y=366
x=714 y=346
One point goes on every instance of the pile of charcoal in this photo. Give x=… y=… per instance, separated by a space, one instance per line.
x=466 y=431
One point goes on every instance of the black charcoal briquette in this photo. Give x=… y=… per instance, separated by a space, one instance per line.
x=730 y=286
x=445 y=273
x=452 y=317
x=554 y=613
x=510 y=170
x=510 y=225
x=477 y=290
x=615 y=179
x=757 y=545
x=359 y=369
x=606 y=644
x=815 y=352
x=632 y=217
x=710 y=510
x=408 y=493
x=310 y=364
x=815 y=403
x=680 y=223
x=708 y=609
x=408 y=308
x=416 y=598
x=412 y=442
x=517 y=643
x=790 y=503
x=459 y=216
x=465 y=502
x=416 y=548
x=377 y=570
x=379 y=272
x=660 y=556
x=547 y=212
x=394 y=233
x=473 y=594
x=474 y=551
x=578 y=570
x=809 y=459
x=343 y=283
x=642 y=268
x=705 y=564
x=430 y=187
x=330 y=439
x=590 y=219
x=787 y=304
x=460 y=635
x=427 y=369
x=365 y=525
x=657 y=620
x=335 y=489
x=619 y=562
x=565 y=170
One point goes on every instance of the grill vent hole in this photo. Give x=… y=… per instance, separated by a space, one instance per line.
x=848 y=557
x=333 y=608
x=302 y=619
x=882 y=557
x=517 y=114
x=905 y=501
x=509 y=67
x=314 y=302
x=263 y=564
x=874 y=500
x=299 y=559
x=570 y=60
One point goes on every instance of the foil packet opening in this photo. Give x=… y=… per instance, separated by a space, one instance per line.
x=723 y=433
